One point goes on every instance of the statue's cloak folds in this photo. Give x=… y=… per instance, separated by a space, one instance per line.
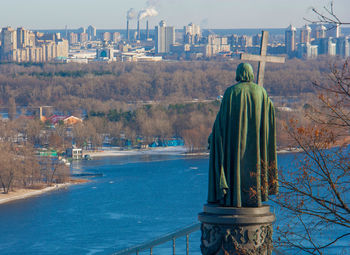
x=243 y=161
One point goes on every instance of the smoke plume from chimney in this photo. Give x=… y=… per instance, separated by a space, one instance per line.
x=131 y=14
x=149 y=12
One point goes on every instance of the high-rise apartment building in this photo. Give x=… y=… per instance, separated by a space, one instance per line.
x=22 y=37
x=106 y=36
x=245 y=41
x=116 y=37
x=83 y=37
x=233 y=40
x=81 y=30
x=333 y=30
x=165 y=37
x=343 y=47
x=91 y=31
x=256 y=41
x=290 y=40
x=215 y=45
x=8 y=43
x=192 y=34
x=24 y=46
x=305 y=34
x=320 y=32
x=326 y=46
x=73 y=38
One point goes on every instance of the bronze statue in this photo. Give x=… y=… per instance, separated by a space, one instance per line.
x=243 y=161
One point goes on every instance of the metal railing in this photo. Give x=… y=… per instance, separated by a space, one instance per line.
x=170 y=237
x=167 y=238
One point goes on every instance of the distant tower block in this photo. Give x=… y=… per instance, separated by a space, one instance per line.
x=91 y=31
x=321 y=32
x=192 y=34
x=290 y=40
x=305 y=34
x=164 y=36
x=343 y=47
x=8 y=43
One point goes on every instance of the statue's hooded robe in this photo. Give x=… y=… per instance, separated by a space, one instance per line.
x=243 y=162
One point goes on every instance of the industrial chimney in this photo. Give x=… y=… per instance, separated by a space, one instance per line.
x=147 y=31
x=138 y=29
x=127 y=30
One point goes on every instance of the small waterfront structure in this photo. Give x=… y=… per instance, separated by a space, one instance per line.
x=74 y=153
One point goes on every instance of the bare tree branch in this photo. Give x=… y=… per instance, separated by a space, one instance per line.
x=329 y=17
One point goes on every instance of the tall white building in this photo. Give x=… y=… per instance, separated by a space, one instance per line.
x=165 y=37
x=290 y=40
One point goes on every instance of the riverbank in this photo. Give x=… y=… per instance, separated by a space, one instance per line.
x=178 y=150
x=115 y=152
x=28 y=193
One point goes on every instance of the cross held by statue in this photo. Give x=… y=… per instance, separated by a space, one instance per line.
x=262 y=58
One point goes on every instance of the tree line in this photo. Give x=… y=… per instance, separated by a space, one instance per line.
x=102 y=86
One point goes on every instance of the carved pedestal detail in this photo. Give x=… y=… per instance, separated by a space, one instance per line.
x=236 y=231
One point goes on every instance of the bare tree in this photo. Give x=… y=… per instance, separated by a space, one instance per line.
x=49 y=168
x=315 y=194
x=12 y=108
x=28 y=165
x=7 y=168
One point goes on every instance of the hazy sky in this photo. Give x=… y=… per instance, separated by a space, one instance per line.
x=46 y=14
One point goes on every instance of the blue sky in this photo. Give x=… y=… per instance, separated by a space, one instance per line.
x=46 y=14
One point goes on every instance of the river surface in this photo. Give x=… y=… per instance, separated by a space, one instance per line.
x=138 y=198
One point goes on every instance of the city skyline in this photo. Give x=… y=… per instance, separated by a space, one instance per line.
x=107 y=14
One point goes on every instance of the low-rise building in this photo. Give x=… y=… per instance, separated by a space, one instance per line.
x=74 y=153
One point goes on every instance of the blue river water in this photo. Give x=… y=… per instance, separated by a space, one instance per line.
x=138 y=198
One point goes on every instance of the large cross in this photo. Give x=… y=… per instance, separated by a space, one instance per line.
x=262 y=58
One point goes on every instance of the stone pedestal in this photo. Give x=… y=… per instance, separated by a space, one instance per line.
x=236 y=231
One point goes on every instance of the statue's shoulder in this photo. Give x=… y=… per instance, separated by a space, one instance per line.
x=249 y=87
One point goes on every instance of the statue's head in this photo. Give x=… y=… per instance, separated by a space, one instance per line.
x=244 y=73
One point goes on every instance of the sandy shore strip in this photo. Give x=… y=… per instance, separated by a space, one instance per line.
x=26 y=193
